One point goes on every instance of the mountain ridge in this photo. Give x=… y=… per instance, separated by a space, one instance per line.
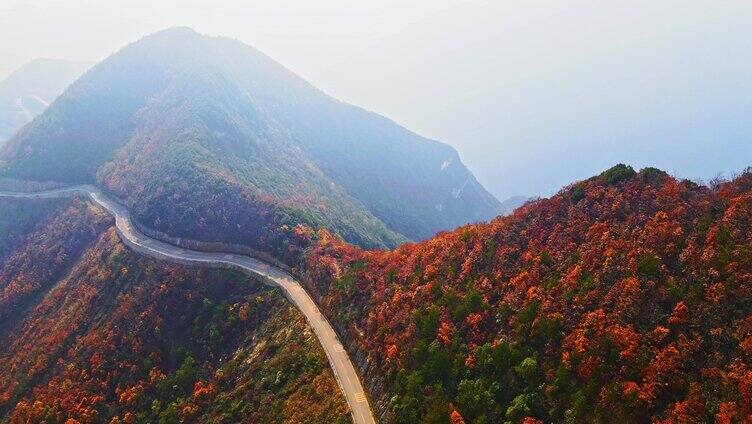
x=623 y=298
x=196 y=115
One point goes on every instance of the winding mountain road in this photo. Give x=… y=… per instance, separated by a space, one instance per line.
x=344 y=371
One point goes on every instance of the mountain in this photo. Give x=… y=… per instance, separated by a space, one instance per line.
x=91 y=332
x=625 y=298
x=207 y=138
x=28 y=91
x=510 y=204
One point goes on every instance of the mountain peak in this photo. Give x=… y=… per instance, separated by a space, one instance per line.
x=184 y=31
x=209 y=119
x=179 y=34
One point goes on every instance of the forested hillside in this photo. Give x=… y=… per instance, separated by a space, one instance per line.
x=93 y=333
x=207 y=138
x=625 y=298
x=28 y=91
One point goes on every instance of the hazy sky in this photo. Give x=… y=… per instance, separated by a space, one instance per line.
x=533 y=94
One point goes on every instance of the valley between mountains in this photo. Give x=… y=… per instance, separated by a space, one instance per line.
x=276 y=255
x=344 y=371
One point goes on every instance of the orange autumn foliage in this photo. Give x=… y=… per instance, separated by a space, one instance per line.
x=613 y=300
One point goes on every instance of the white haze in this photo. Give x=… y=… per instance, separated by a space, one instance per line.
x=532 y=94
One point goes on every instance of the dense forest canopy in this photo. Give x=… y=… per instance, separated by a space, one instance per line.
x=624 y=298
x=91 y=332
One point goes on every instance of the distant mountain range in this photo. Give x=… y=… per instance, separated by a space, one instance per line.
x=28 y=91
x=207 y=138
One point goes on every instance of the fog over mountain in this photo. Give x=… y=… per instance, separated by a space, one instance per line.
x=514 y=202
x=196 y=129
x=532 y=94
x=205 y=228
x=28 y=91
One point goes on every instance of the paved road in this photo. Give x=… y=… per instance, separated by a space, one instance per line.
x=338 y=359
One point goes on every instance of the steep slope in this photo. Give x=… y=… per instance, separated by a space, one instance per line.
x=91 y=332
x=209 y=139
x=28 y=91
x=625 y=298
